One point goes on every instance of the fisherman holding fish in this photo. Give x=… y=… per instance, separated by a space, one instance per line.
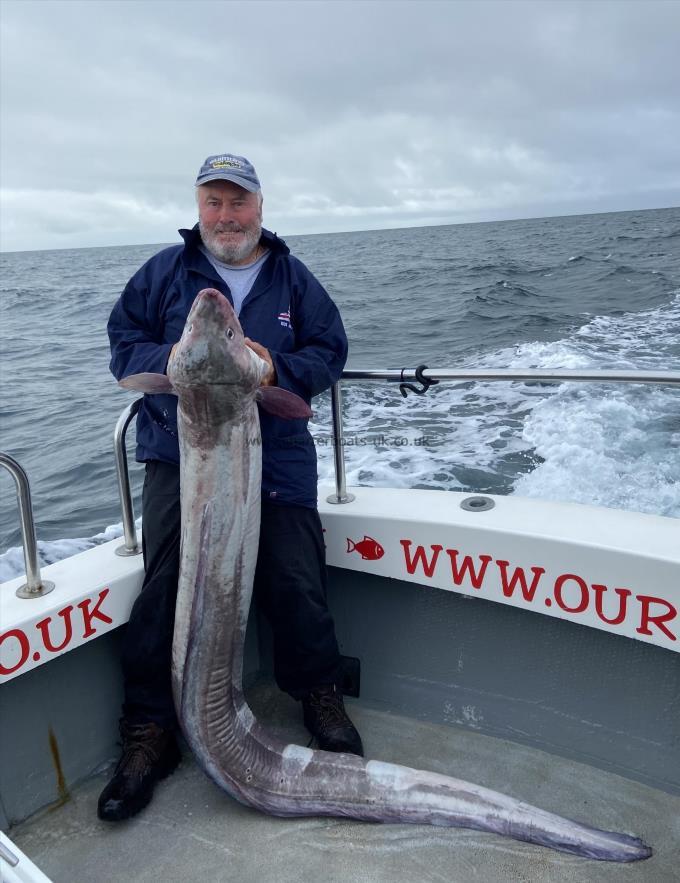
x=219 y=378
x=291 y=323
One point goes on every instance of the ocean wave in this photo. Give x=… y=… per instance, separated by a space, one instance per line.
x=605 y=445
x=12 y=561
x=406 y=299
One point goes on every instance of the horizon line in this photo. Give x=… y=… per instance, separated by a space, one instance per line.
x=366 y=230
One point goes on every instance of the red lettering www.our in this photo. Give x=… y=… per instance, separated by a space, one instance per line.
x=420 y=558
x=459 y=572
x=659 y=620
x=571 y=593
x=509 y=585
x=580 y=593
x=465 y=569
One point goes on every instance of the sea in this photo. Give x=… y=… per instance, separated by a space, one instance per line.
x=582 y=292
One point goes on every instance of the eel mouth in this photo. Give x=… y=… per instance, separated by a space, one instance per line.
x=212 y=350
x=209 y=300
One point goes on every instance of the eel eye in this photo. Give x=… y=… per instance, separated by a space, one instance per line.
x=230 y=333
x=189 y=328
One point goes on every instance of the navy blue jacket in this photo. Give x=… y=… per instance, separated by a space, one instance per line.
x=309 y=351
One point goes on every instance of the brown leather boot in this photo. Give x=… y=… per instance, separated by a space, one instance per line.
x=149 y=754
x=326 y=719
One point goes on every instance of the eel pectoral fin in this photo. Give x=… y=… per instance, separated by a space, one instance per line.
x=282 y=403
x=149 y=383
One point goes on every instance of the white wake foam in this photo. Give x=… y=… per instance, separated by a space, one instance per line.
x=12 y=561
x=615 y=446
x=606 y=445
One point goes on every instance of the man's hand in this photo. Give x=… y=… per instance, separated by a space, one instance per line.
x=270 y=378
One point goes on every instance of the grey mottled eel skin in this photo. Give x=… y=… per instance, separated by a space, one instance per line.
x=217 y=381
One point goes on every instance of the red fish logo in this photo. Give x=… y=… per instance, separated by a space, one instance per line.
x=368 y=548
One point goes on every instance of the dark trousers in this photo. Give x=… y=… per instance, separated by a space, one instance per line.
x=290 y=589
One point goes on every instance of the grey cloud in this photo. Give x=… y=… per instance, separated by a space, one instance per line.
x=355 y=114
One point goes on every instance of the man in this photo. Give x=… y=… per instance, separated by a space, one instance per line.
x=291 y=323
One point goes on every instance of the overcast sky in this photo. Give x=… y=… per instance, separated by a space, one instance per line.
x=356 y=115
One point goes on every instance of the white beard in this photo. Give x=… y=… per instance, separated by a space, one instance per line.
x=231 y=253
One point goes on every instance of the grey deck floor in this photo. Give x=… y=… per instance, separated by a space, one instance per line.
x=194 y=832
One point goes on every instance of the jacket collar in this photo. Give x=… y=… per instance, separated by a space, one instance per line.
x=195 y=261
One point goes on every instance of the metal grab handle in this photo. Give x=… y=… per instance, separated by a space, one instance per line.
x=131 y=546
x=34 y=587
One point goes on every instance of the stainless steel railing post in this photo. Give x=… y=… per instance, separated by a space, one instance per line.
x=341 y=495
x=34 y=587
x=131 y=546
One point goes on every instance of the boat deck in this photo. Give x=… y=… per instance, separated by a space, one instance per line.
x=192 y=831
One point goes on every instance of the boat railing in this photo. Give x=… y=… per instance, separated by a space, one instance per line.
x=407 y=378
x=34 y=587
x=131 y=545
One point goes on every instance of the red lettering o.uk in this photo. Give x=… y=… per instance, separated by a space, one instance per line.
x=95 y=613
x=24 y=646
x=44 y=628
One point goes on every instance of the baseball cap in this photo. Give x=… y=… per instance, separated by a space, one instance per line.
x=227 y=167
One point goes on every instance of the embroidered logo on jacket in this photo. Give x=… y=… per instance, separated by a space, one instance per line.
x=284 y=319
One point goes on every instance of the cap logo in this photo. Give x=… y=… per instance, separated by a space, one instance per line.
x=226 y=162
x=228 y=167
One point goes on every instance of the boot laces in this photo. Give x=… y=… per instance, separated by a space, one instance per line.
x=142 y=747
x=329 y=707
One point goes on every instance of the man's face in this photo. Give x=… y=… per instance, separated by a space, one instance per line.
x=230 y=221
